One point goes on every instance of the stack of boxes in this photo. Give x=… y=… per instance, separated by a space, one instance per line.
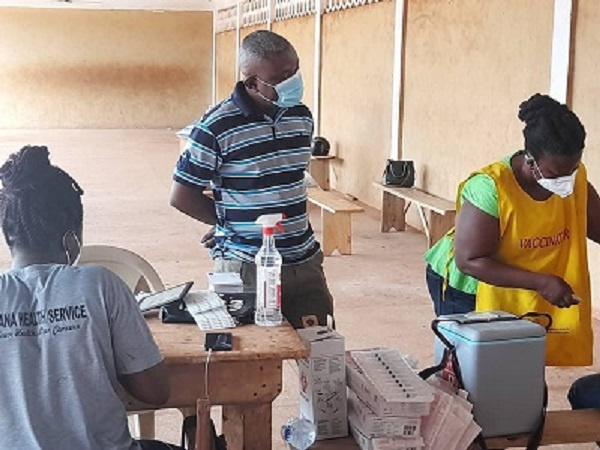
x=386 y=400
x=380 y=396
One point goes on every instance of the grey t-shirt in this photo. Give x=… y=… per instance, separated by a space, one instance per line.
x=65 y=334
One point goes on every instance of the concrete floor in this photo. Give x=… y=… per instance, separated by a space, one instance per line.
x=380 y=293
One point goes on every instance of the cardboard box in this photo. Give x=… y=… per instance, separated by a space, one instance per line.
x=364 y=387
x=384 y=443
x=323 y=398
x=375 y=426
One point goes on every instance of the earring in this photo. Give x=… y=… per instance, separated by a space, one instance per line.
x=70 y=261
x=78 y=242
x=66 y=251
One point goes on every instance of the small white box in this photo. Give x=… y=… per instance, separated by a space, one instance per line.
x=323 y=398
x=384 y=443
x=375 y=426
x=387 y=384
x=225 y=283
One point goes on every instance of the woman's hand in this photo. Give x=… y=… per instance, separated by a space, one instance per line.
x=556 y=291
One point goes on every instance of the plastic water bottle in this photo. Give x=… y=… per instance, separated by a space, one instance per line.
x=268 y=275
x=299 y=433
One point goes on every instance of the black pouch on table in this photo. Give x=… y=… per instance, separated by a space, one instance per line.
x=175 y=313
x=240 y=307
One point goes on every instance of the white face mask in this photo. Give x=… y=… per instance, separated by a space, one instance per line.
x=561 y=186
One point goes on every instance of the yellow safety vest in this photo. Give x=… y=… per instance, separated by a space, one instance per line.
x=545 y=237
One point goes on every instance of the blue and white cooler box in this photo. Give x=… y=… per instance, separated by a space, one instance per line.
x=502 y=365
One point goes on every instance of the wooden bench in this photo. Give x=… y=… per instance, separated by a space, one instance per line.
x=336 y=220
x=562 y=427
x=394 y=208
x=319 y=169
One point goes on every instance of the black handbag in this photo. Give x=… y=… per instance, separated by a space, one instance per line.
x=399 y=173
x=320 y=146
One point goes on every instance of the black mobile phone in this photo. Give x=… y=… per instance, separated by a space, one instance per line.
x=218 y=342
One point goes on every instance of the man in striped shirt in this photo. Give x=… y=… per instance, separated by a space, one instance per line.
x=252 y=149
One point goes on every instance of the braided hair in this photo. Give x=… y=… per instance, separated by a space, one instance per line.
x=39 y=202
x=551 y=128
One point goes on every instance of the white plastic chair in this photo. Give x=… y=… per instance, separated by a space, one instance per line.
x=140 y=276
x=134 y=270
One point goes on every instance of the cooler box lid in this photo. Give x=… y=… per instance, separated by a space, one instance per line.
x=491 y=326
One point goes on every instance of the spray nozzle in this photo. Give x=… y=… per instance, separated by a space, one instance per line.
x=270 y=223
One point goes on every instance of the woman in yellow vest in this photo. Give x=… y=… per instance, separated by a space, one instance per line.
x=520 y=239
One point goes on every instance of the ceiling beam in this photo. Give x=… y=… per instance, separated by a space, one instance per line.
x=224 y=4
x=151 y=5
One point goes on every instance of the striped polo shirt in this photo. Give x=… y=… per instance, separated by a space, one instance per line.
x=255 y=165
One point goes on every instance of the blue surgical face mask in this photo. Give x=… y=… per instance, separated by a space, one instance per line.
x=289 y=92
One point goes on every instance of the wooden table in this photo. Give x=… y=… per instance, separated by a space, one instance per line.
x=347 y=443
x=562 y=427
x=245 y=381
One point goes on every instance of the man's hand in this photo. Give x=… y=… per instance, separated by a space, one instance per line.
x=208 y=240
x=556 y=291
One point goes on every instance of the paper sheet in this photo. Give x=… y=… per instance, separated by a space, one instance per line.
x=450 y=424
x=198 y=302
x=208 y=310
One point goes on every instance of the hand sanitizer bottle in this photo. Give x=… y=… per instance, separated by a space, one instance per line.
x=268 y=274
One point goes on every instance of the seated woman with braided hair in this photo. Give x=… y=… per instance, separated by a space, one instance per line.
x=520 y=242
x=68 y=335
